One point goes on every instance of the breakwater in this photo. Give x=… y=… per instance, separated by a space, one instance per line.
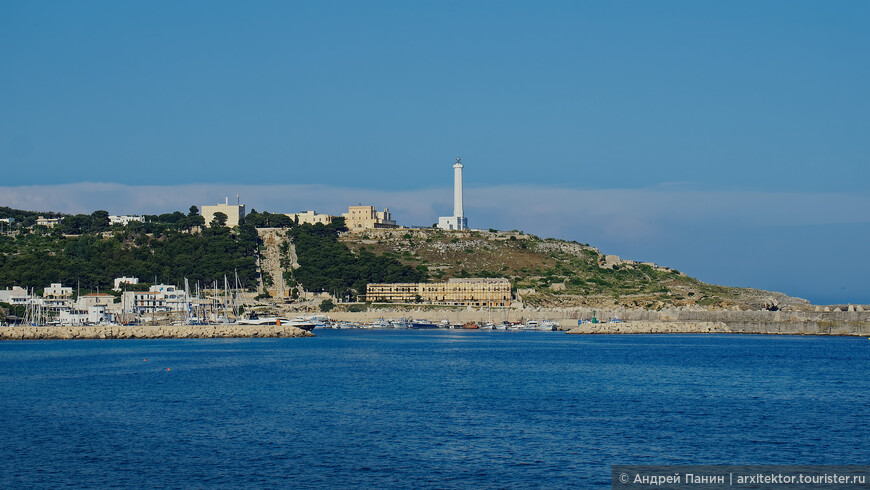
x=149 y=332
x=855 y=323
x=670 y=320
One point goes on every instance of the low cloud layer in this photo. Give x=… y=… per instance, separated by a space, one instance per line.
x=679 y=228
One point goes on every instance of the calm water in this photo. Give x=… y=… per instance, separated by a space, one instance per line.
x=423 y=409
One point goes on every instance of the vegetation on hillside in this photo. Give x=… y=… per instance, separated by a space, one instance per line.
x=546 y=272
x=166 y=250
x=85 y=250
x=268 y=220
x=327 y=264
x=26 y=218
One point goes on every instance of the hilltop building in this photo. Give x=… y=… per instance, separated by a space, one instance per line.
x=235 y=214
x=458 y=221
x=125 y=220
x=310 y=217
x=365 y=217
x=49 y=222
x=482 y=291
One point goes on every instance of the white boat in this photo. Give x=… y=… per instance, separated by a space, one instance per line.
x=548 y=326
x=255 y=319
x=303 y=323
x=401 y=323
x=381 y=323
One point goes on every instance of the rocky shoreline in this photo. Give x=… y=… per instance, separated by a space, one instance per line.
x=150 y=332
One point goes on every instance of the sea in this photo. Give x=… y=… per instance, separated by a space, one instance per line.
x=422 y=409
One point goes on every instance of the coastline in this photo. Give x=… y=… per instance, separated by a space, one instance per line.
x=149 y=332
x=653 y=327
x=633 y=321
x=637 y=321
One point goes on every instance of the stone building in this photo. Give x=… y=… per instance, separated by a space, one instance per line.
x=310 y=217
x=458 y=292
x=365 y=217
x=235 y=214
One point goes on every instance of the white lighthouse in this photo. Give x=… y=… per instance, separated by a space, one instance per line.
x=458 y=220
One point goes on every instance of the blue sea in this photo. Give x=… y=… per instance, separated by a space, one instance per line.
x=423 y=409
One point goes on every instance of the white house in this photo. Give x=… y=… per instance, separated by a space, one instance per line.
x=160 y=297
x=125 y=220
x=94 y=299
x=124 y=280
x=15 y=296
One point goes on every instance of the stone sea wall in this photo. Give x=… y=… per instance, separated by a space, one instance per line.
x=778 y=328
x=150 y=332
x=674 y=320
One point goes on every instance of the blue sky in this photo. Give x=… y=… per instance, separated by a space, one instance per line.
x=725 y=139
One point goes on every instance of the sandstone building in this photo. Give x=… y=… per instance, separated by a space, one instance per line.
x=457 y=292
x=310 y=217
x=365 y=217
x=235 y=214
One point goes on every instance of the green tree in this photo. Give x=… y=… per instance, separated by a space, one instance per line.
x=99 y=222
x=326 y=305
x=219 y=220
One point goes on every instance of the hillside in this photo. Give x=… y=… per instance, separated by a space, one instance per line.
x=552 y=273
x=91 y=260
x=84 y=250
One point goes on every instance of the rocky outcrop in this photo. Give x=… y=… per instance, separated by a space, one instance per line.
x=150 y=332
x=277 y=254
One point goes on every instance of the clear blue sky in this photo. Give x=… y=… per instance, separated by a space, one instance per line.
x=730 y=97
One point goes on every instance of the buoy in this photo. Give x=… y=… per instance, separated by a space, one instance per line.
x=168 y=369
x=143 y=360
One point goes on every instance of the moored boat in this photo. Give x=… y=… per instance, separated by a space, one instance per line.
x=254 y=319
x=423 y=324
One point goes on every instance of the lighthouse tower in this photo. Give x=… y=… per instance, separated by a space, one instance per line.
x=458 y=220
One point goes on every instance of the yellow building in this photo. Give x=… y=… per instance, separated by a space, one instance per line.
x=235 y=214
x=460 y=292
x=365 y=217
x=310 y=217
